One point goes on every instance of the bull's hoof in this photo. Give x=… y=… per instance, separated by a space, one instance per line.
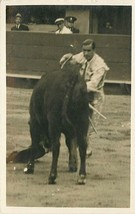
x=29 y=169
x=72 y=169
x=81 y=180
x=52 y=179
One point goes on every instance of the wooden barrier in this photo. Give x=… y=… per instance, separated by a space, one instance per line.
x=32 y=53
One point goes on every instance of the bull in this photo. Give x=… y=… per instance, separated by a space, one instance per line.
x=59 y=104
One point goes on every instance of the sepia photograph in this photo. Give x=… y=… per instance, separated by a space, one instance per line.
x=67 y=137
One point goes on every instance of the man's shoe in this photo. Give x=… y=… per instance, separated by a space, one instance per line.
x=88 y=153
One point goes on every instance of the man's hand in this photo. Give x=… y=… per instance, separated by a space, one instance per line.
x=65 y=58
x=89 y=88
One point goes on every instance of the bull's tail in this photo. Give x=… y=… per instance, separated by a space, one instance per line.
x=24 y=155
x=19 y=157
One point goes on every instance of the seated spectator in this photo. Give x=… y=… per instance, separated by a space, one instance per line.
x=62 y=29
x=32 y=20
x=19 y=26
x=70 y=23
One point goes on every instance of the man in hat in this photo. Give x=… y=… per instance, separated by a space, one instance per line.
x=93 y=69
x=18 y=24
x=62 y=29
x=70 y=23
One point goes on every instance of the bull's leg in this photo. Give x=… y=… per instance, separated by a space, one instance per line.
x=29 y=169
x=82 y=151
x=54 y=134
x=35 y=138
x=72 y=148
x=55 y=155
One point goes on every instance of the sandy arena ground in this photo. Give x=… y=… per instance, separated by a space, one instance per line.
x=108 y=169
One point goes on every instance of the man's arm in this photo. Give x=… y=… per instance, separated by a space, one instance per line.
x=77 y=58
x=65 y=58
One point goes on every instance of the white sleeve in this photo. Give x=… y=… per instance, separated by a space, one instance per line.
x=79 y=58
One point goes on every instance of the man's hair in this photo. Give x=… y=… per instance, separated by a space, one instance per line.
x=89 y=42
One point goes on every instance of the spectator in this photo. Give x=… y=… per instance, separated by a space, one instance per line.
x=70 y=23
x=32 y=20
x=19 y=26
x=62 y=29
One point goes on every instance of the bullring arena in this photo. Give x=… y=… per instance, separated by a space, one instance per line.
x=108 y=169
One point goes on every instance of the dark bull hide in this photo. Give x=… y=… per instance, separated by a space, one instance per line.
x=59 y=104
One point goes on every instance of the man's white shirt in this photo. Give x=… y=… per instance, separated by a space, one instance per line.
x=64 y=30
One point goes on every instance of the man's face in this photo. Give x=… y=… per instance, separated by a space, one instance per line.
x=60 y=25
x=18 y=20
x=69 y=24
x=88 y=52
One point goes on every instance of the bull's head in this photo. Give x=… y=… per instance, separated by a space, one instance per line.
x=76 y=96
x=76 y=84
